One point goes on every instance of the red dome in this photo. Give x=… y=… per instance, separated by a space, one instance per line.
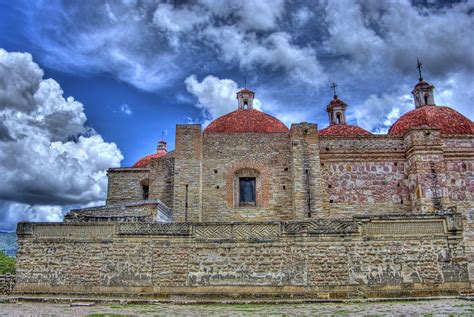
x=246 y=121
x=145 y=161
x=448 y=120
x=343 y=130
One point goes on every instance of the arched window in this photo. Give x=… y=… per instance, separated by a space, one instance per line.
x=426 y=99
x=338 y=118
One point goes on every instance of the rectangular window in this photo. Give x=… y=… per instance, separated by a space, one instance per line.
x=247 y=191
x=146 y=191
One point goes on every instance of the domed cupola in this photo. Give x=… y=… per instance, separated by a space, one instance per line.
x=338 y=126
x=428 y=114
x=423 y=91
x=160 y=151
x=246 y=119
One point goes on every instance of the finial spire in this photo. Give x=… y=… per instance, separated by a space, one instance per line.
x=419 y=66
x=333 y=86
x=245 y=81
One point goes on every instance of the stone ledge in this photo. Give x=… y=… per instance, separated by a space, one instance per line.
x=395 y=225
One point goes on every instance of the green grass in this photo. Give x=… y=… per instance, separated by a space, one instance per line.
x=7 y=264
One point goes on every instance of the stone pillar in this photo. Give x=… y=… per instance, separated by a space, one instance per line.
x=426 y=170
x=308 y=193
x=187 y=197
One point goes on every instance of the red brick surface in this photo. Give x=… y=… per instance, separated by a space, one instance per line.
x=448 y=120
x=145 y=161
x=343 y=129
x=244 y=121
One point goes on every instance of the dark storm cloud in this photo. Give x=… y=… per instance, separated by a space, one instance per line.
x=290 y=49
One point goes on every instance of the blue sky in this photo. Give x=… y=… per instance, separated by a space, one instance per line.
x=137 y=68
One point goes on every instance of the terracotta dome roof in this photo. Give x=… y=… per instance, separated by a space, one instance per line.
x=343 y=130
x=145 y=161
x=160 y=151
x=246 y=121
x=448 y=120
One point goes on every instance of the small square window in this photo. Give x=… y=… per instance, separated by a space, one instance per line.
x=247 y=191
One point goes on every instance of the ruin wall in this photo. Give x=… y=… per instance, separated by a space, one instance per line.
x=359 y=257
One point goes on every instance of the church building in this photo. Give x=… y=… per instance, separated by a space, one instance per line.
x=248 y=206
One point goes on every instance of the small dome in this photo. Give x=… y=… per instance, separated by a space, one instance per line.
x=145 y=161
x=448 y=120
x=343 y=130
x=246 y=121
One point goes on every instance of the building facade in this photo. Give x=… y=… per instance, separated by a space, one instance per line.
x=249 y=206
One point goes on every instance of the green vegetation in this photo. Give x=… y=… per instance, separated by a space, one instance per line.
x=7 y=264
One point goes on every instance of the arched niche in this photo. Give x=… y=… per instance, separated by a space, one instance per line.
x=247 y=180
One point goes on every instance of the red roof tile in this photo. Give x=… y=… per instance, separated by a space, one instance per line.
x=343 y=130
x=145 y=161
x=246 y=121
x=448 y=120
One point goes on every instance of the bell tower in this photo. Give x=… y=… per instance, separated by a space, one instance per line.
x=336 y=109
x=245 y=98
x=423 y=91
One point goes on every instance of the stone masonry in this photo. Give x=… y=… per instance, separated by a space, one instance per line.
x=339 y=214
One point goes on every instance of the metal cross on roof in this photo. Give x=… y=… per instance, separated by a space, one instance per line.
x=419 y=66
x=333 y=86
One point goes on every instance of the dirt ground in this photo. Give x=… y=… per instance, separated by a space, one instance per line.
x=451 y=307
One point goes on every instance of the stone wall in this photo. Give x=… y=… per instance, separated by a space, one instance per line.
x=125 y=184
x=162 y=179
x=7 y=283
x=357 y=257
x=135 y=211
x=224 y=155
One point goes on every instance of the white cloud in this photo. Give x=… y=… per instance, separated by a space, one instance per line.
x=275 y=51
x=175 y=21
x=378 y=112
x=216 y=97
x=395 y=33
x=257 y=15
x=49 y=157
x=302 y=16
x=125 y=109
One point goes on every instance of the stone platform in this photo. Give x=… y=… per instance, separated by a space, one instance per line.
x=373 y=256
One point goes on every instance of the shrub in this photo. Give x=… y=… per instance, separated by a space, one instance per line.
x=7 y=264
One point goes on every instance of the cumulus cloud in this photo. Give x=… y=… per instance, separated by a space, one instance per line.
x=215 y=96
x=368 y=46
x=275 y=51
x=378 y=112
x=398 y=32
x=49 y=157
